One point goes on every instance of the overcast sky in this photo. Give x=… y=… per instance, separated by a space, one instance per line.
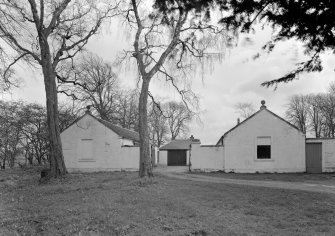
x=236 y=79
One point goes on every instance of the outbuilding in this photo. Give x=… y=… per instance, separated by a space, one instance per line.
x=264 y=142
x=93 y=144
x=176 y=152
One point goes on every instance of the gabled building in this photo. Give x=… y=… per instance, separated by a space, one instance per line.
x=93 y=144
x=176 y=152
x=264 y=142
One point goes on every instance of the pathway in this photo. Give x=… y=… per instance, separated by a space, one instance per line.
x=303 y=186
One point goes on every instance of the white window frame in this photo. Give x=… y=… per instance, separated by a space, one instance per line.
x=267 y=140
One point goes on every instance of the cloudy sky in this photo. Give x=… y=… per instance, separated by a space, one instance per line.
x=236 y=78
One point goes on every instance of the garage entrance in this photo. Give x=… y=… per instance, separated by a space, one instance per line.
x=176 y=158
x=313 y=157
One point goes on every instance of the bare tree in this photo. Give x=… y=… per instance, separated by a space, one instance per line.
x=11 y=131
x=327 y=107
x=297 y=110
x=315 y=116
x=67 y=115
x=245 y=110
x=127 y=109
x=46 y=33
x=97 y=84
x=178 y=118
x=157 y=125
x=35 y=137
x=164 y=44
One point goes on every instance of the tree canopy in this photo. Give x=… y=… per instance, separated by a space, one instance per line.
x=309 y=21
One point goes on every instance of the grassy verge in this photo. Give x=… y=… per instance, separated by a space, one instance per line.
x=289 y=177
x=118 y=204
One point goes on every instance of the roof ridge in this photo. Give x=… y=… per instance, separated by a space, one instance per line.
x=264 y=108
x=118 y=126
x=123 y=132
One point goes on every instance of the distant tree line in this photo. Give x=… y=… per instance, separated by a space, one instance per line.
x=314 y=113
x=23 y=132
x=23 y=126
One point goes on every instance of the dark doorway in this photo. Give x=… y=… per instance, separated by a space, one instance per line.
x=176 y=158
x=313 y=157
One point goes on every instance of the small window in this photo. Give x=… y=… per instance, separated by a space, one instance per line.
x=263 y=147
x=263 y=152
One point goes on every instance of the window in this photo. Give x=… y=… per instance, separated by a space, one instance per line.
x=263 y=152
x=263 y=148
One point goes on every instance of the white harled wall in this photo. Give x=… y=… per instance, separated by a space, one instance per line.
x=105 y=152
x=287 y=146
x=162 y=160
x=328 y=153
x=207 y=158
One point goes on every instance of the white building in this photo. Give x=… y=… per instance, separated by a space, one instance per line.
x=264 y=142
x=92 y=144
x=177 y=152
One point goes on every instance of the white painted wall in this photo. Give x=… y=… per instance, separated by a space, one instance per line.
x=287 y=146
x=162 y=160
x=188 y=157
x=103 y=154
x=207 y=158
x=156 y=155
x=130 y=158
x=328 y=153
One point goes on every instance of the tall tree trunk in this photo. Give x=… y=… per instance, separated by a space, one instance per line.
x=145 y=160
x=56 y=158
x=11 y=160
x=4 y=162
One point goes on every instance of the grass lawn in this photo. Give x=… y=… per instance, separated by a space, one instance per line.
x=117 y=204
x=289 y=177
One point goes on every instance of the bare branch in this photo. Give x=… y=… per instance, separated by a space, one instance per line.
x=13 y=63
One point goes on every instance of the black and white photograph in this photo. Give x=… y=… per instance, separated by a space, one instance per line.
x=167 y=117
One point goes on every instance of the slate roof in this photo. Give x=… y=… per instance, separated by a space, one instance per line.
x=225 y=134
x=124 y=133
x=179 y=144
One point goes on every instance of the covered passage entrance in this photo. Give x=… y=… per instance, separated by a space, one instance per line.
x=176 y=158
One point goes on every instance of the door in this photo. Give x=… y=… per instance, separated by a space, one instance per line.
x=176 y=158
x=313 y=157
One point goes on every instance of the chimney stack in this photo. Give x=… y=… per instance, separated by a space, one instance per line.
x=263 y=105
x=88 y=109
x=238 y=121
